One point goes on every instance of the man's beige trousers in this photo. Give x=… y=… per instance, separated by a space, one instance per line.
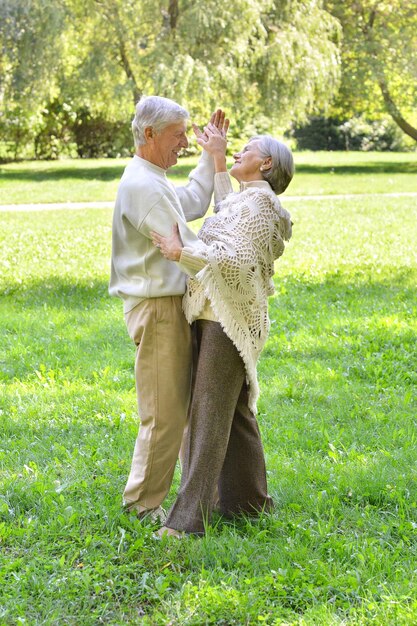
x=163 y=381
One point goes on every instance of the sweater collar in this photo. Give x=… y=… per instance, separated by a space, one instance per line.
x=151 y=166
x=262 y=184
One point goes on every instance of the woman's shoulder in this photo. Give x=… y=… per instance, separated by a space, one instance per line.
x=261 y=192
x=263 y=198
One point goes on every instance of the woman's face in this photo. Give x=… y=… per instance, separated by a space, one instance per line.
x=247 y=163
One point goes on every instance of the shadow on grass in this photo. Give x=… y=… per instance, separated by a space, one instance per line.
x=59 y=173
x=114 y=172
x=384 y=167
x=110 y=173
x=56 y=292
x=316 y=297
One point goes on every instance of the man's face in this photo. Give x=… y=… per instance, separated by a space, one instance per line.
x=166 y=145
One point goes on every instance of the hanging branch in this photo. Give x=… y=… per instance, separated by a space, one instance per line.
x=390 y=105
x=111 y=14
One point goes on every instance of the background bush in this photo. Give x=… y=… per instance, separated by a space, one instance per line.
x=61 y=131
x=357 y=133
x=97 y=137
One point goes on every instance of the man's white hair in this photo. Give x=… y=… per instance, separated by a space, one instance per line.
x=156 y=112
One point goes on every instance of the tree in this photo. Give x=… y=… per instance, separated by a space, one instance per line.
x=379 y=58
x=30 y=41
x=30 y=32
x=268 y=62
x=299 y=72
x=275 y=58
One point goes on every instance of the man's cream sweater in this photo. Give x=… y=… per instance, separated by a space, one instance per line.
x=147 y=200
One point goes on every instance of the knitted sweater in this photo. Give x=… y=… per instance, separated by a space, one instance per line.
x=147 y=200
x=238 y=248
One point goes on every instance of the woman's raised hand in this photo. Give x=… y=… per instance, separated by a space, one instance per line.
x=214 y=139
x=220 y=121
x=215 y=130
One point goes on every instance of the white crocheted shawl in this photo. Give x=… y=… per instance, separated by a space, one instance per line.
x=242 y=241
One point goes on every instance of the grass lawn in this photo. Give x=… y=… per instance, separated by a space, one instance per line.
x=317 y=173
x=337 y=413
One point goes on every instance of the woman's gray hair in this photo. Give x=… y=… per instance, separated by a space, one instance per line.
x=280 y=173
x=156 y=112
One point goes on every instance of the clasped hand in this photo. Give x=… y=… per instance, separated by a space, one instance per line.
x=170 y=247
x=213 y=139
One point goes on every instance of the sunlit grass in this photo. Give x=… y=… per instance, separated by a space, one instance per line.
x=337 y=414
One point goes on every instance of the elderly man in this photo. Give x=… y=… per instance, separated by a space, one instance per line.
x=152 y=288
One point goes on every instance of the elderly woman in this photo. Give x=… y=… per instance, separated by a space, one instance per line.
x=227 y=300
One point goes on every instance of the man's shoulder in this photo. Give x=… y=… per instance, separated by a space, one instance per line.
x=138 y=176
x=139 y=180
x=141 y=190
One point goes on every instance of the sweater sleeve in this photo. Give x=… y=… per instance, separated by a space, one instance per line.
x=191 y=262
x=161 y=218
x=222 y=187
x=196 y=195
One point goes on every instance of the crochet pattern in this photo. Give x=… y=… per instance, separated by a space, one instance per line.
x=243 y=240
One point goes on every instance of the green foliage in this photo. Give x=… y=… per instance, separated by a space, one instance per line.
x=270 y=64
x=299 y=71
x=54 y=134
x=18 y=129
x=379 y=58
x=337 y=415
x=30 y=38
x=31 y=41
x=383 y=134
x=97 y=137
x=250 y=57
x=267 y=62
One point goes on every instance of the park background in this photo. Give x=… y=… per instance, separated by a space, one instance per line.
x=338 y=375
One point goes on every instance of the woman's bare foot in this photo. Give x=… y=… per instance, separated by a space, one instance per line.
x=164 y=531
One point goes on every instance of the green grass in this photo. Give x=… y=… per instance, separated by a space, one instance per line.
x=337 y=413
x=317 y=173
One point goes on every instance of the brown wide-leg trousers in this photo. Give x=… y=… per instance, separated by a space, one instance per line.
x=223 y=445
x=163 y=383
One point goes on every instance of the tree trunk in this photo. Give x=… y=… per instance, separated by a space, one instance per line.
x=136 y=92
x=173 y=11
x=110 y=12
x=389 y=102
x=394 y=112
